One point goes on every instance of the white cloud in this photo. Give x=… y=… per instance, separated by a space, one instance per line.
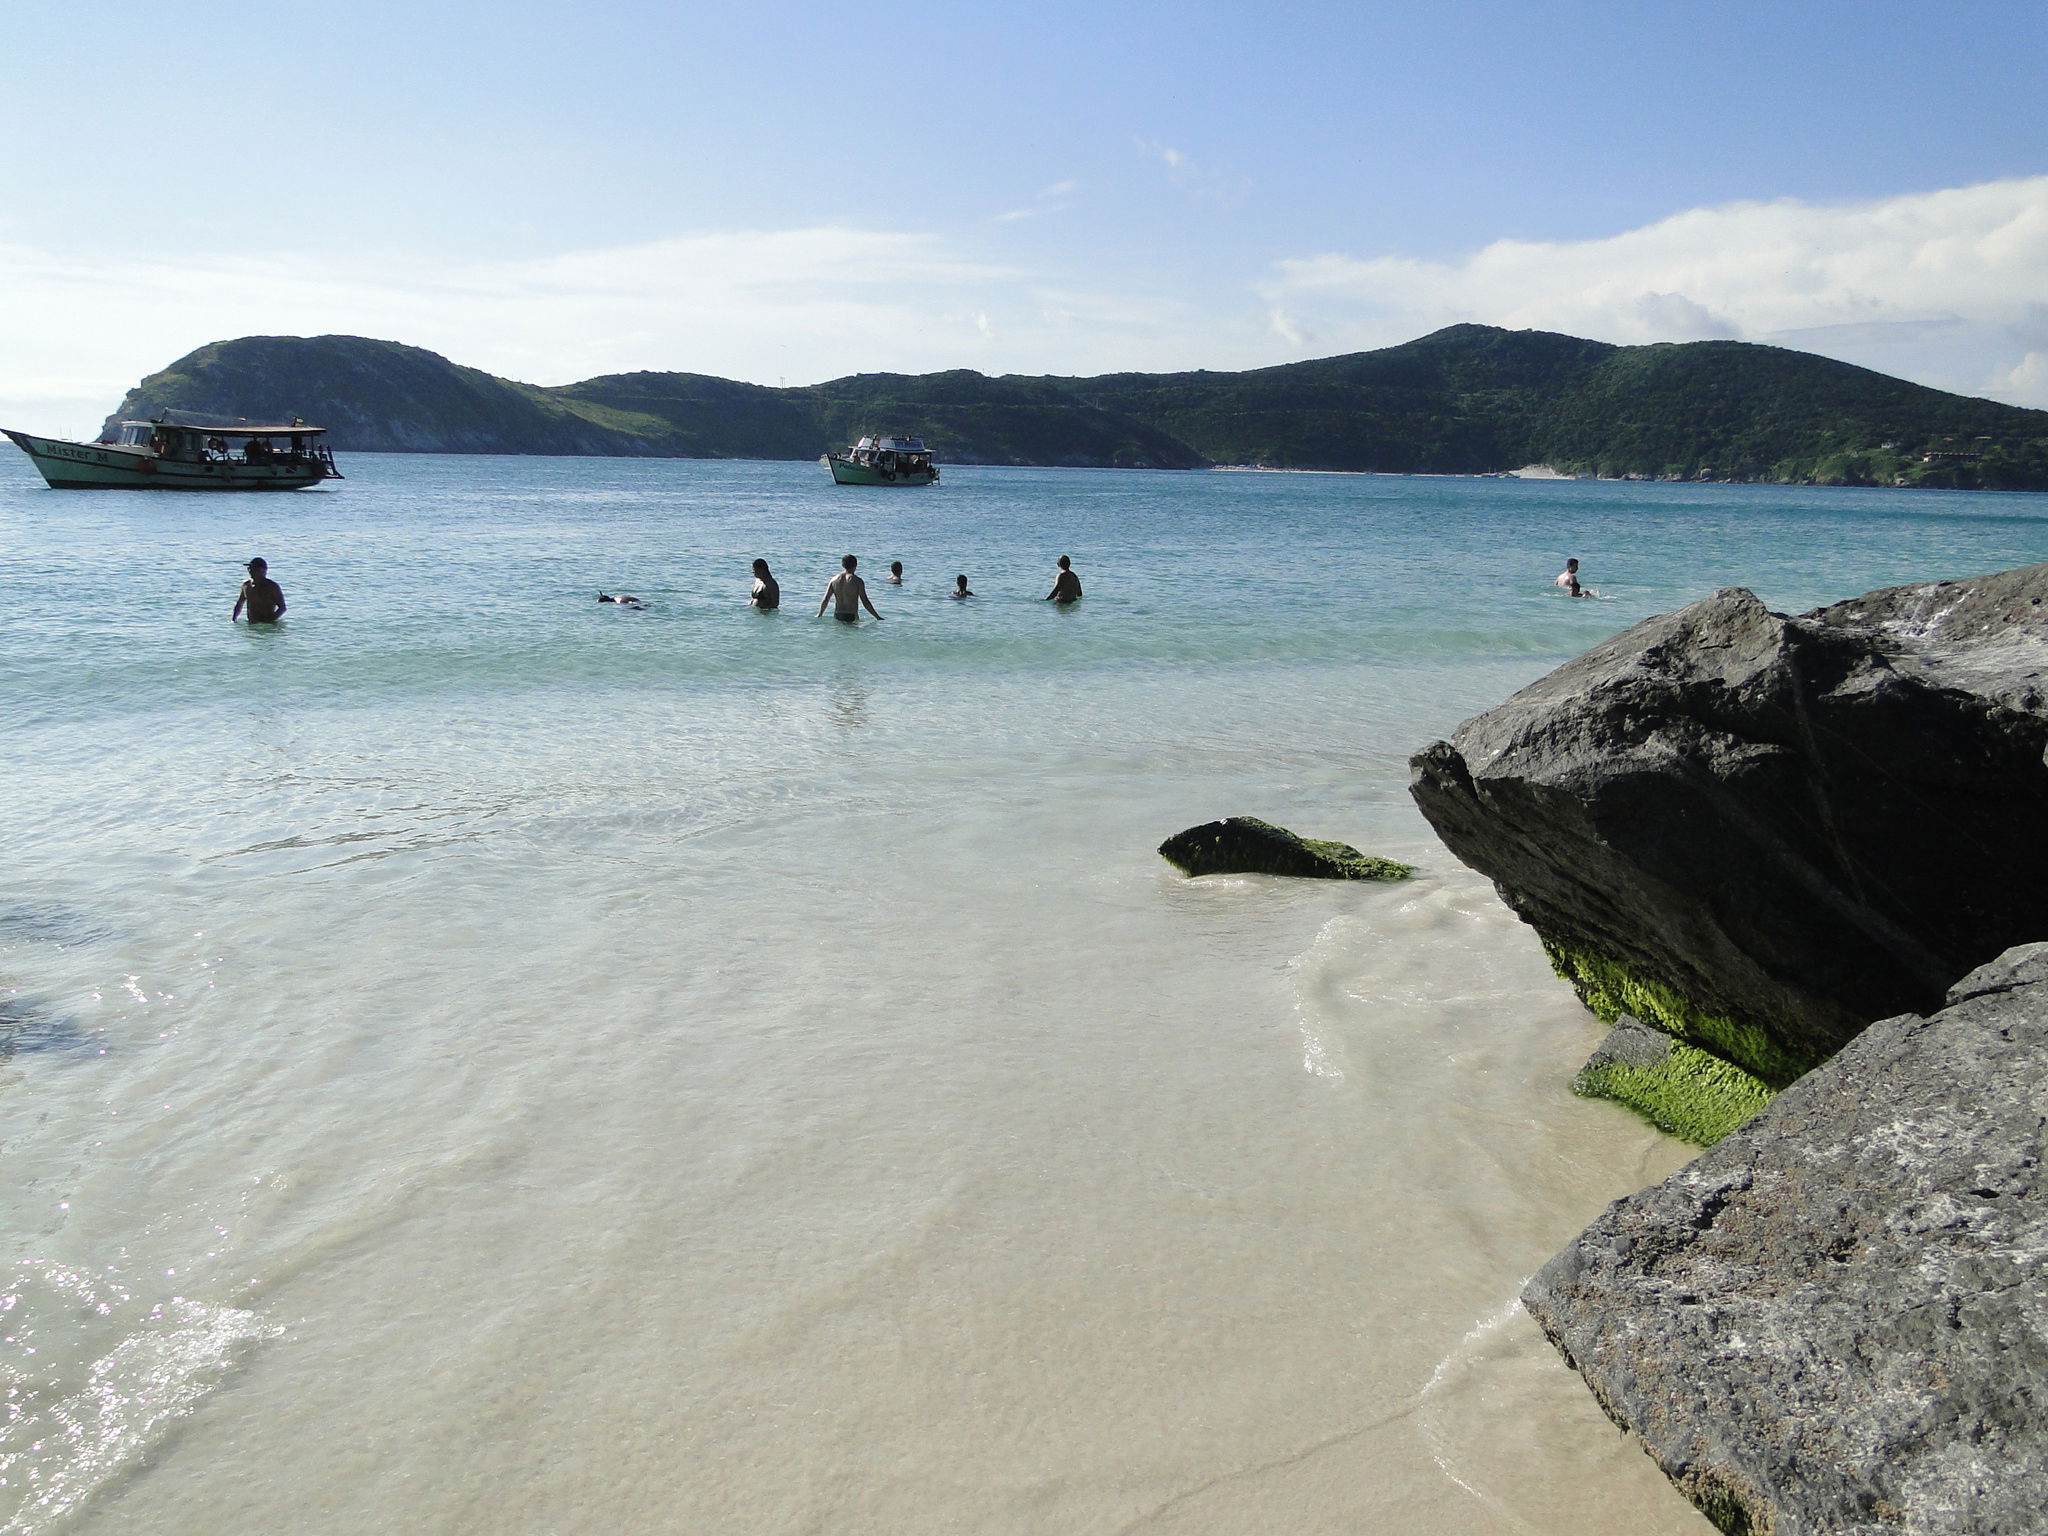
x=1204 y=181
x=808 y=303
x=1942 y=287
x=1949 y=288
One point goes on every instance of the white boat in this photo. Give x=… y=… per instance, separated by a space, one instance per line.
x=163 y=456
x=883 y=461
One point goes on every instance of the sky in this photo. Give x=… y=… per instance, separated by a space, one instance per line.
x=793 y=193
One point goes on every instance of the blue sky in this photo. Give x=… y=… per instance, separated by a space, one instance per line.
x=795 y=192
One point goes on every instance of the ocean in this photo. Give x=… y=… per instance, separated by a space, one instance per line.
x=480 y=1059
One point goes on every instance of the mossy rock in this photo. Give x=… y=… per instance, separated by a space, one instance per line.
x=1244 y=845
x=1611 y=990
x=1678 y=1088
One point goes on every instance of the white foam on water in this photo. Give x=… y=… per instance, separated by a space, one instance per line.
x=98 y=1369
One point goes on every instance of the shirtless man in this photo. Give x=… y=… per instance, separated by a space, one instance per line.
x=767 y=592
x=848 y=594
x=1066 y=586
x=1568 y=578
x=263 y=597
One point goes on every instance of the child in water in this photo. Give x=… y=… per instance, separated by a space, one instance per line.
x=263 y=597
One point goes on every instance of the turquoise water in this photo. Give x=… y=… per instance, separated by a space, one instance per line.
x=491 y=1060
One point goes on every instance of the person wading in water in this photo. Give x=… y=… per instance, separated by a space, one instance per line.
x=848 y=594
x=263 y=597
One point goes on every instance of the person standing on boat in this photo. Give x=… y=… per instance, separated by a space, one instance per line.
x=847 y=593
x=1066 y=586
x=767 y=592
x=263 y=597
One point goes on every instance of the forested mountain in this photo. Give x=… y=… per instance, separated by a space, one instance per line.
x=1471 y=399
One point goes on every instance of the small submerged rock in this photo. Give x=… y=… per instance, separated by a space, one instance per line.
x=1244 y=845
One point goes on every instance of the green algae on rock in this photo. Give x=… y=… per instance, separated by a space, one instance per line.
x=1612 y=991
x=1244 y=845
x=1681 y=1090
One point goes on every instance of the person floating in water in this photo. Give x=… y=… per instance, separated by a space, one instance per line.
x=1568 y=578
x=847 y=593
x=767 y=593
x=895 y=573
x=1066 y=586
x=624 y=600
x=960 y=588
x=263 y=597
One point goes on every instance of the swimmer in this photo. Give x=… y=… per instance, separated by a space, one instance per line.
x=1568 y=578
x=1066 y=586
x=767 y=594
x=847 y=593
x=959 y=588
x=626 y=600
x=895 y=573
x=263 y=597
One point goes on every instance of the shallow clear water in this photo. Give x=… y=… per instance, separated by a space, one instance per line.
x=485 y=1059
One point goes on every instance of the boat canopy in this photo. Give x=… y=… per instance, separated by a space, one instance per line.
x=902 y=445
x=294 y=430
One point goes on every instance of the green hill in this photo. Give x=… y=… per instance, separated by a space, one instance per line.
x=1471 y=399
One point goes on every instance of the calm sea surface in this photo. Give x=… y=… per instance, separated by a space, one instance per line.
x=484 y=1060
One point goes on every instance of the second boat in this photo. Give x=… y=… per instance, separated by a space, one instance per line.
x=883 y=461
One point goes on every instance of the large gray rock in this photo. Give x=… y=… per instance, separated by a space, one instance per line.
x=1760 y=832
x=1837 y=1319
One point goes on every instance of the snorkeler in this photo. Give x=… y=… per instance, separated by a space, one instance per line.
x=625 y=600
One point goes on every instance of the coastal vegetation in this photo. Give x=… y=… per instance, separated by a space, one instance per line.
x=1470 y=399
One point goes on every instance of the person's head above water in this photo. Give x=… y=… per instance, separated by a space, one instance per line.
x=895 y=567
x=960 y=581
x=258 y=566
x=760 y=567
x=1065 y=563
x=849 y=561
x=1572 y=564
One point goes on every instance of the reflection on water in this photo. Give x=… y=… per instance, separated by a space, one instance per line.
x=849 y=701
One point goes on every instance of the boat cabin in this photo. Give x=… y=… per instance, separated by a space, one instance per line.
x=906 y=453
x=293 y=444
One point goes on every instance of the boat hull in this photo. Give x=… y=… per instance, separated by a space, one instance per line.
x=846 y=472
x=70 y=466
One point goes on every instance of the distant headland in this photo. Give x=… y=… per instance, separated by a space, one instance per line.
x=1469 y=399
